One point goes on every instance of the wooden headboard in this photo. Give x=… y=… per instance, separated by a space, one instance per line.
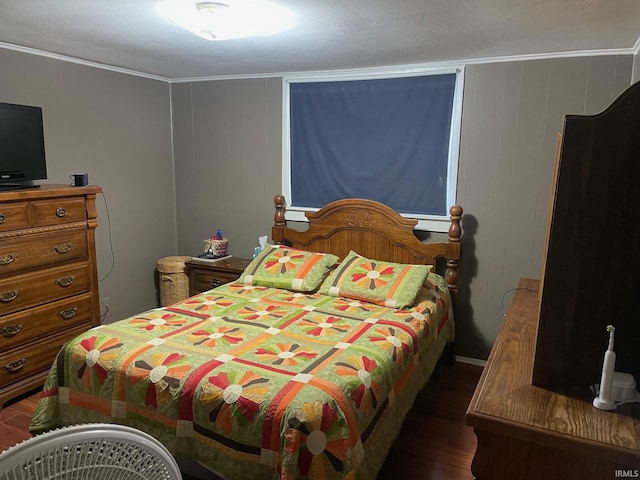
x=373 y=230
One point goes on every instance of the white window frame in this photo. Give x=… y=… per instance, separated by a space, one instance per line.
x=433 y=223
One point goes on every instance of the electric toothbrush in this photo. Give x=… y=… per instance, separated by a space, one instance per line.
x=603 y=401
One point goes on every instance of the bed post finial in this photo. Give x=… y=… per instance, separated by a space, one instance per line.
x=455 y=232
x=454 y=229
x=279 y=223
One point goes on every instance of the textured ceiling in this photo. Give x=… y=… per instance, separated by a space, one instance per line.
x=328 y=34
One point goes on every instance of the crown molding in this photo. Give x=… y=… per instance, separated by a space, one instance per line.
x=635 y=65
x=443 y=64
x=79 y=61
x=421 y=66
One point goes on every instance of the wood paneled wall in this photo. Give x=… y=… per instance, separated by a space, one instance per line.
x=117 y=128
x=228 y=149
x=512 y=113
x=227 y=146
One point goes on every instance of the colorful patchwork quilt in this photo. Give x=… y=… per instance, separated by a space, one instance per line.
x=257 y=382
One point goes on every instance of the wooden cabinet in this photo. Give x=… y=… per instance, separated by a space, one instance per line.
x=205 y=276
x=590 y=269
x=48 y=279
x=531 y=433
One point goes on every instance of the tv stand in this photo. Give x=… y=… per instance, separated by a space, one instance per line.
x=6 y=187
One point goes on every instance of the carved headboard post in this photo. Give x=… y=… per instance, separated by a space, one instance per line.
x=279 y=222
x=453 y=255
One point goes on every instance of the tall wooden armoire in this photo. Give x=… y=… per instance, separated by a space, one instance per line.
x=591 y=271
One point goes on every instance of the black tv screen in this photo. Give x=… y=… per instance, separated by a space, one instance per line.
x=22 y=157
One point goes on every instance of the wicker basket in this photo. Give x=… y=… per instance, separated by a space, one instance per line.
x=174 y=281
x=216 y=248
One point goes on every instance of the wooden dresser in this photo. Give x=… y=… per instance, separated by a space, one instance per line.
x=530 y=433
x=48 y=279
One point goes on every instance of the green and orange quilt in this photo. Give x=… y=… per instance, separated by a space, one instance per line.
x=257 y=382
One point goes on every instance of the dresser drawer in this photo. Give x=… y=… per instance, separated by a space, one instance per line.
x=29 y=325
x=205 y=276
x=26 y=252
x=59 y=211
x=20 y=363
x=14 y=216
x=32 y=289
x=206 y=280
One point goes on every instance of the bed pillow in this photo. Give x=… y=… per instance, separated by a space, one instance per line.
x=394 y=285
x=284 y=267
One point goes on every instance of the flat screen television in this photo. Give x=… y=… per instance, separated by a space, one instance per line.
x=22 y=156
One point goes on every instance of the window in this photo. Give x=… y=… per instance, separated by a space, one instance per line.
x=392 y=138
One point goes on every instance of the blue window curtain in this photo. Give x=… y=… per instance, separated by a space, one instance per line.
x=381 y=139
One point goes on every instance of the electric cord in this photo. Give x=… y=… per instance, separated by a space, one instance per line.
x=504 y=311
x=635 y=399
x=104 y=315
x=113 y=257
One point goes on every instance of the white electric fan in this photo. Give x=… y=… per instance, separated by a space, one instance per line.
x=89 y=452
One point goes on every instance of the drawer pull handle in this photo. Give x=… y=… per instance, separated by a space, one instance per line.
x=2 y=218
x=65 y=281
x=7 y=259
x=7 y=297
x=11 y=330
x=61 y=212
x=15 y=366
x=63 y=247
x=68 y=313
x=215 y=282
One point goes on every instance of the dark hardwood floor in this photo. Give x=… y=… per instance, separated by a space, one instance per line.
x=434 y=444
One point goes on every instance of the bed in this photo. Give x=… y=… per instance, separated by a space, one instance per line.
x=303 y=368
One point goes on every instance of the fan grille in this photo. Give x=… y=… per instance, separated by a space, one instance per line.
x=84 y=459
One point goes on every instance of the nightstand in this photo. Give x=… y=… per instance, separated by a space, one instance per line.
x=205 y=276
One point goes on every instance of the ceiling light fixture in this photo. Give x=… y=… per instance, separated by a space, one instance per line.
x=211 y=7
x=228 y=19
